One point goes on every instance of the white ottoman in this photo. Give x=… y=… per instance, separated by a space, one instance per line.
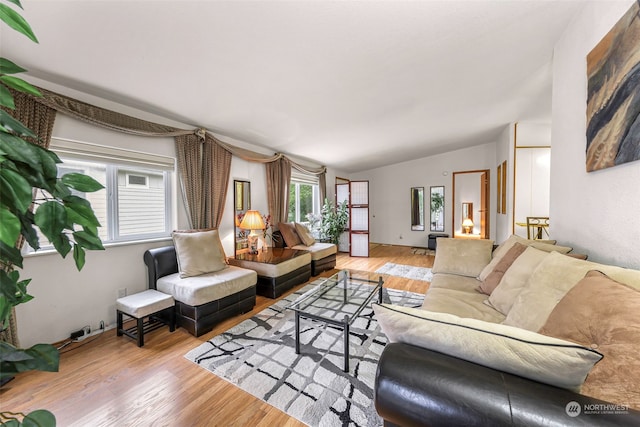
x=146 y=304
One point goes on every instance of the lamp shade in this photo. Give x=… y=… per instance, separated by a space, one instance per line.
x=467 y=222
x=252 y=221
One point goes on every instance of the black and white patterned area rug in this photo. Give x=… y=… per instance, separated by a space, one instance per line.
x=258 y=355
x=406 y=271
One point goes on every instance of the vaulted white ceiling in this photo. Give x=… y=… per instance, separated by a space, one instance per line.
x=350 y=84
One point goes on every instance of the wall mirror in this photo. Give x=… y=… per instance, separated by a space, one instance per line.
x=417 y=208
x=242 y=202
x=470 y=207
x=437 y=208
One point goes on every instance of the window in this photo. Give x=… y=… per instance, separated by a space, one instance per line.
x=136 y=201
x=304 y=198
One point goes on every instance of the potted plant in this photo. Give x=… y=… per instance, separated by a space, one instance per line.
x=32 y=194
x=334 y=220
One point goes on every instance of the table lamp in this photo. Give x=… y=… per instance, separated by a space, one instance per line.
x=467 y=225
x=252 y=221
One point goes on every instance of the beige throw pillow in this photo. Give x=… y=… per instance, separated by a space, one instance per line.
x=289 y=234
x=516 y=351
x=463 y=257
x=515 y=279
x=601 y=313
x=198 y=252
x=504 y=247
x=304 y=234
x=550 y=282
x=493 y=279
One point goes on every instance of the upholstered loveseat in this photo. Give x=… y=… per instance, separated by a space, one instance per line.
x=205 y=288
x=524 y=335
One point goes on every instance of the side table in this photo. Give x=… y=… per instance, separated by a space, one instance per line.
x=279 y=269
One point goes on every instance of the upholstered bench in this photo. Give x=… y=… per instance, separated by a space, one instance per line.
x=279 y=269
x=297 y=236
x=203 y=296
x=147 y=304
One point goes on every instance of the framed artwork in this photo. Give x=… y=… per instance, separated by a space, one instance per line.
x=499 y=201
x=502 y=188
x=613 y=99
x=503 y=196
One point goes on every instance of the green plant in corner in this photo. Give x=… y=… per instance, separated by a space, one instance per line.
x=32 y=195
x=334 y=220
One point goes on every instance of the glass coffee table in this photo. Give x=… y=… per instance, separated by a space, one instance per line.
x=338 y=300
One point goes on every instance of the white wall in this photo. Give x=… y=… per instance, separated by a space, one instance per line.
x=595 y=212
x=65 y=299
x=389 y=189
x=504 y=151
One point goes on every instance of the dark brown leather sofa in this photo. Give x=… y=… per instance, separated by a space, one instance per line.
x=419 y=387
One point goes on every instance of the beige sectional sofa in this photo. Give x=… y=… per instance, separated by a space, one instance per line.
x=528 y=294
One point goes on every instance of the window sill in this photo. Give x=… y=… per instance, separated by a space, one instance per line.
x=43 y=252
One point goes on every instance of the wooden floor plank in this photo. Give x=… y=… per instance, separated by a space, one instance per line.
x=109 y=381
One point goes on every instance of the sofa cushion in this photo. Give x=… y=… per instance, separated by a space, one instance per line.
x=462 y=303
x=504 y=247
x=319 y=250
x=198 y=252
x=527 y=354
x=461 y=256
x=492 y=279
x=515 y=279
x=209 y=287
x=305 y=235
x=289 y=234
x=601 y=313
x=550 y=282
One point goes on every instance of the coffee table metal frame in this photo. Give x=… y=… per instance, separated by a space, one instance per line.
x=346 y=278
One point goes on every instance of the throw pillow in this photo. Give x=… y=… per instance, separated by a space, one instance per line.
x=515 y=279
x=513 y=350
x=462 y=256
x=551 y=281
x=493 y=279
x=504 y=247
x=601 y=313
x=198 y=252
x=289 y=234
x=304 y=234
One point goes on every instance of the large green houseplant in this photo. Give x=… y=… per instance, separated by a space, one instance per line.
x=33 y=196
x=334 y=220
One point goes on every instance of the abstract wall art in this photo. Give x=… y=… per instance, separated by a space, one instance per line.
x=613 y=95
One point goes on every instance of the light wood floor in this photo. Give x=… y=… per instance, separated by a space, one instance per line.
x=111 y=382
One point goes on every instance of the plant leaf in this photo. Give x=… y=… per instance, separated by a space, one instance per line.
x=79 y=256
x=62 y=244
x=13 y=125
x=80 y=212
x=15 y=191
x=20 y=85
x=10 y=254
x=10 y=227
x=51 y=218
x=16 y=21
x=87 y=240
x=27 y=230
x=6 y=99
x=40 y=357
x=19 y=150
x=81 y=182
x=39 y=418
x=9 y=67
x=16 y=2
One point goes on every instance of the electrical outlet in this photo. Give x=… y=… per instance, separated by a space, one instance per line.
x=122 y=292
x=102 y=324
